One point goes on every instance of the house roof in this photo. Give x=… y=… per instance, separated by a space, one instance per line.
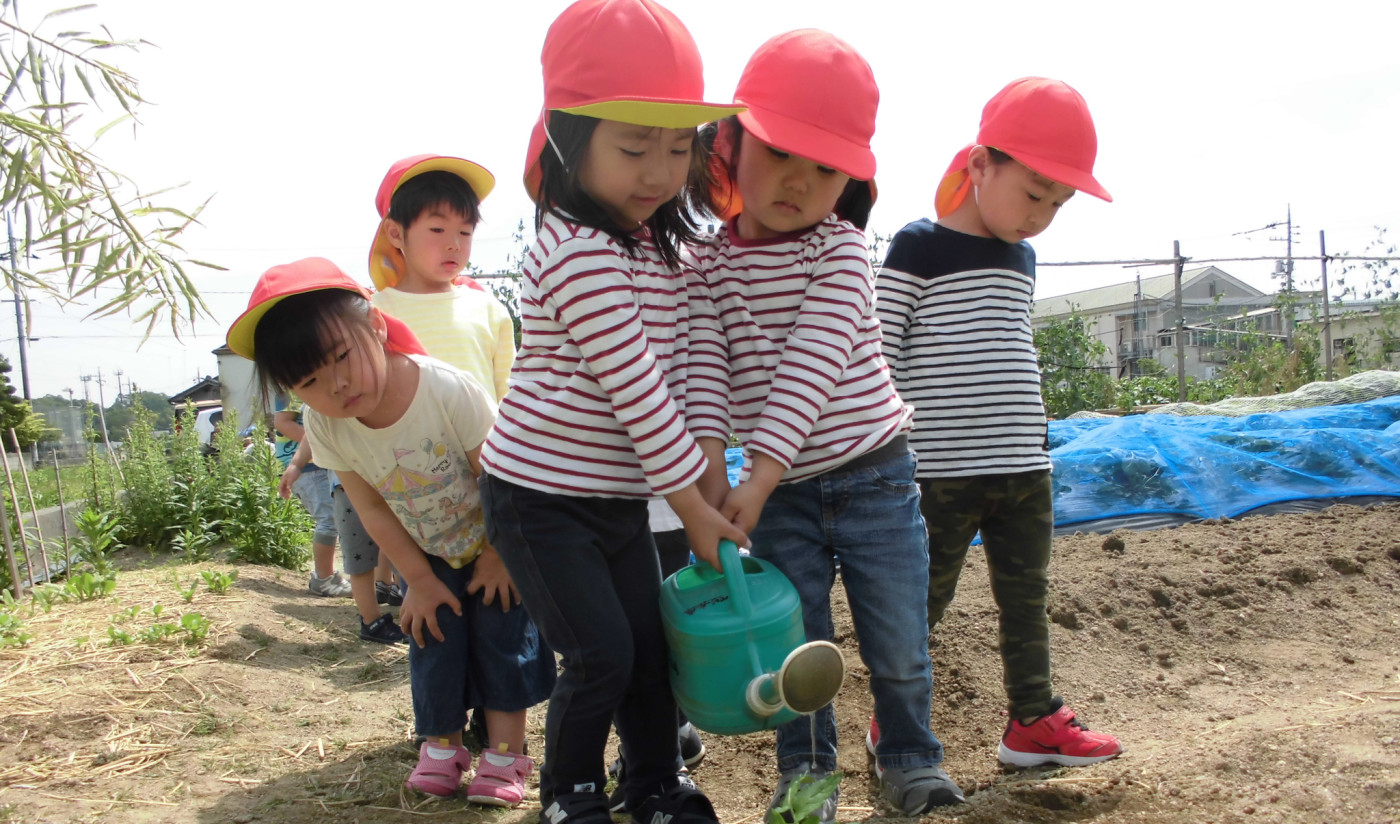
x=206 y=385
x=1155 y=288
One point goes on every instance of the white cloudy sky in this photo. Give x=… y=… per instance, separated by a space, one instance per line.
x=1213 y=117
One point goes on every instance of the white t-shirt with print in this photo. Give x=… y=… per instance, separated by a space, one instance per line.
x=419 y=463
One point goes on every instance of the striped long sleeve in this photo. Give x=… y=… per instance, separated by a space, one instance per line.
x=596 y=401
x=956 y=317
x=808 y=384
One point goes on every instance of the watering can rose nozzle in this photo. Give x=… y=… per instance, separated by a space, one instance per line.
x=739 y=661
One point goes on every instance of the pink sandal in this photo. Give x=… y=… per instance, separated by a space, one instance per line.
x=440 y=768
x=500 y=778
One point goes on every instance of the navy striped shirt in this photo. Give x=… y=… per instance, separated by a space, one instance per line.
x=956 y=314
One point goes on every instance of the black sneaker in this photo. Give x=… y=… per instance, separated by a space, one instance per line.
x=383 y=630
x=682 y=804
x=387 y=594
x=617 y=800
x=576 y=808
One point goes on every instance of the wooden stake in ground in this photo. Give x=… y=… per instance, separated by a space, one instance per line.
x=34 y=510
x=15 y=583
x=19 y=519
x=62 y=512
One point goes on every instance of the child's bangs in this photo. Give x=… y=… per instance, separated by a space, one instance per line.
x=301 y=333
x=441 y=191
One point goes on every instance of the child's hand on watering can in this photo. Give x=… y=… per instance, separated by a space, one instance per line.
x=744 y=503
x=704 y=526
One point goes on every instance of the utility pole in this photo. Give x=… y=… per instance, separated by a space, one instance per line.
x=1326 y=306
x=1290 y=299
x=101 y=411
x=1180 y=326
x=87 y=410
x=119 y=387
x=22 y=334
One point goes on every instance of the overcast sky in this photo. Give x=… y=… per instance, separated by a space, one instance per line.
x=1212 y=118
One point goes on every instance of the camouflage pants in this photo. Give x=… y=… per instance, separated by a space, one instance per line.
x=1013 y=513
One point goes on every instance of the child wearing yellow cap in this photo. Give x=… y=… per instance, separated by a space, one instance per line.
x=796 y=373
x=955 y=306
x=429 y=207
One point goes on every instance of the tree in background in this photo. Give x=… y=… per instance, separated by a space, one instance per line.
x=119 y=414
x=85 y=226
x=16 y=414
x=1070 y=379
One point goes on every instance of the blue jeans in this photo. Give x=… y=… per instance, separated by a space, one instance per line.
x=313 y=488
x=869 y=519
x=488 y=658
x=587 y=570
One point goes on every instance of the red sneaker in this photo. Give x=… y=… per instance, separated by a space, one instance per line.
x=872 y=738
x=1055 y=738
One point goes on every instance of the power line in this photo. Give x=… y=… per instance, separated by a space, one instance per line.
x=1172 y=261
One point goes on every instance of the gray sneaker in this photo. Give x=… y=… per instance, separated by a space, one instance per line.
x=331 y=586
x=916 y=790
x=826 y=814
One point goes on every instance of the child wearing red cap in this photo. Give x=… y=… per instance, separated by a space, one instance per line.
x=955 y=304
x=797 y=374
x=593 y=425
x=403 y=431
x=429 y=207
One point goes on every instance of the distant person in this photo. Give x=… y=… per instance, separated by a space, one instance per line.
x=369 y=570
x=312 y=486
x=829 y=476
x=429 y=207
x=955 y=303
x=403 y=431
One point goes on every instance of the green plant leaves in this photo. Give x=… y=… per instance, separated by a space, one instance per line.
x=805 y=797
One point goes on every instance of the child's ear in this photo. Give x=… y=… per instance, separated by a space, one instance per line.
x=979 y=160
x=377 y=322
x=395 y=232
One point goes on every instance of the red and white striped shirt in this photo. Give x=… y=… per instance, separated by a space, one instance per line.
x=595 y=406
x=799 y=350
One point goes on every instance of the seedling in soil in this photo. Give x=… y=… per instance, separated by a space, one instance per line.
x=805 y=797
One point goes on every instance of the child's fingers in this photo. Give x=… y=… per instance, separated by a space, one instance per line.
x=414 y=628
x=431 y=620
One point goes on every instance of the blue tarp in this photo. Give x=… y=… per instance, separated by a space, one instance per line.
x=1141 y=467
x=1145 y=471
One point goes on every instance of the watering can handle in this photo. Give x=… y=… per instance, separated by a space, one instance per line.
x=734 y=581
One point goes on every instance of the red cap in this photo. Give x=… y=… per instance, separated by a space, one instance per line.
x=307 y=275
x=809 y=93
x=386 y=263
x=631 y=61
x=1042 y=123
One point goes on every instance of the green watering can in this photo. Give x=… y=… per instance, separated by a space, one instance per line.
x=738 y=659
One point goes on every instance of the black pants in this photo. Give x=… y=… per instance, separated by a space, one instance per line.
x=587 y=571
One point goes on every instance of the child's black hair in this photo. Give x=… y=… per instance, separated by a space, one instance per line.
x=853 y=206
x=562 y=196
x=300 y=334
x=439 y=189
x=998 y=157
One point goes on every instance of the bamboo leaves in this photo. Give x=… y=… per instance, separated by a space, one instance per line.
x=90 y=234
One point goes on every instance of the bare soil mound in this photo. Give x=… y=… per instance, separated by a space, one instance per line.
x=1252 y=668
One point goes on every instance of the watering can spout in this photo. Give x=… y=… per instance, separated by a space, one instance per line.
x=738 y=658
